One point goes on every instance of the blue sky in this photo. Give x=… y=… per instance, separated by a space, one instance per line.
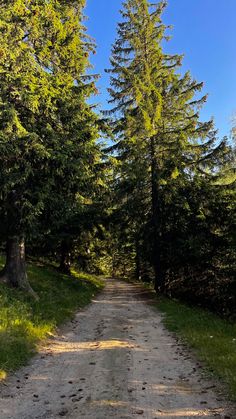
x=204 y=31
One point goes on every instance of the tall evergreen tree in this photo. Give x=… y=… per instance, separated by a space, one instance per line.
x=159 y=134
x=43 y=60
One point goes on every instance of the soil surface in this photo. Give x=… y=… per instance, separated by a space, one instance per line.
x=114 y=360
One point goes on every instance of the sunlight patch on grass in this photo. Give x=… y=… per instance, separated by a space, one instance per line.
x=24 y=322
x=3 y=375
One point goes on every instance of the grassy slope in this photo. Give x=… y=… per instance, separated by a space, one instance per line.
x=24 y=322
x=213 y=339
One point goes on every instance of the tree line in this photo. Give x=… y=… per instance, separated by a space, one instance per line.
x=157 y=202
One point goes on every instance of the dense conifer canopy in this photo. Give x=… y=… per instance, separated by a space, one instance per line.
x=159 y=202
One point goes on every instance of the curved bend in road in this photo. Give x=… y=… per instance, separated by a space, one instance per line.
x=114 y=360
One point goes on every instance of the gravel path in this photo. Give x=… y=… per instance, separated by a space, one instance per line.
x=114 y=360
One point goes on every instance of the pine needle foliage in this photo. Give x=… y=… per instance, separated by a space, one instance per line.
x=165 y=151
x=48 y=131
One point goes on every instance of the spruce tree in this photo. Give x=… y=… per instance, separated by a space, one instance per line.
x=160 y=137
x=43 y=60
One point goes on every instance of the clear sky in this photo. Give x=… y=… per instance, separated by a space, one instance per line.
x=204 y=31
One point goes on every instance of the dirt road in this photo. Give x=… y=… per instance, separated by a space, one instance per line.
x=114 y=360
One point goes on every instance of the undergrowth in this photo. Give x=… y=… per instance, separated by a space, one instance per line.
x=24 y=322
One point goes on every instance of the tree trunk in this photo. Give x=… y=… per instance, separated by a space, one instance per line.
x=156 y=222
x=137 y=261
x=65 y=261
x=14 y=272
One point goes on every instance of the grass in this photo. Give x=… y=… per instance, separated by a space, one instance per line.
x=24 y=322
x=212 y=338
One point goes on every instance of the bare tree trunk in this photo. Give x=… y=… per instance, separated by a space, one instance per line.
x=14 y=273
x=65 y=258
x=137 y=261
x=156 y=222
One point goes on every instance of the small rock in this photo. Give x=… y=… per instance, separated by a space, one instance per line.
x=138 y=412
x=63 y=412
x=77 y=399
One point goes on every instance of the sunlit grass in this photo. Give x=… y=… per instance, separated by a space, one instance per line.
x=212 y=338
x=24 y=321
x=3 y=375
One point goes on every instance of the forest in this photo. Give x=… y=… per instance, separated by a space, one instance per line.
x=144 y=190
x=136 y=200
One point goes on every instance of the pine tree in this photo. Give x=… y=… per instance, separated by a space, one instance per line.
x=159 y=134
x=43 y=59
